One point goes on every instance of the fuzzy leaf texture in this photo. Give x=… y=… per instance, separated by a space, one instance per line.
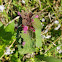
x=15 y=58
x=48 y=59
x=6 y=36
x=37 y=25
x=28 y=47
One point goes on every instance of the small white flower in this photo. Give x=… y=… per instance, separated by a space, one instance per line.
x=57 y=27
x=47 y=37
x=58 y=47
x=46 y=31
x=60 y=51
x=42 y=24
x=43 y=20
x=2 y=8
x=56 y=22
x=43 y=36
x=23 y=1
x=8 y=51
x=11 y=52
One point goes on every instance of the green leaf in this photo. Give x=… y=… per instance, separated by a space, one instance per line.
x=18 y=60
x=1 y=24
x=28 y=47
x=38 y=38
x=14 y=59
x=7 y=35
x=38 y=60
x=48 y=59
x=37 y=25
x=10 y=27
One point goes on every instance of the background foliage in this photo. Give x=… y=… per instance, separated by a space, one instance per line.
x=36 y=48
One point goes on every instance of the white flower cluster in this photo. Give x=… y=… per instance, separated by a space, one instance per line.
x=46 y=37
x=42 y=24
x=8 y=51
x=2 y=8
x=57 y=22
x=23 y=1
x=46 y=31
x=59 y=49
x=43 y=36
x=43 y=20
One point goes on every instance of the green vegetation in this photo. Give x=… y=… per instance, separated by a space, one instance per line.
x=30 y=30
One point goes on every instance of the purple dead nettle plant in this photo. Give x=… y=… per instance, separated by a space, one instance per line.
x=25 y=28
x=23 y=43
x=36 y=16
x=31 y=28
x=19 y=13
x=32 y=20
x=34 y=30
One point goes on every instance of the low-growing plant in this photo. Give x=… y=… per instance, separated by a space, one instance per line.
x=30 y=31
